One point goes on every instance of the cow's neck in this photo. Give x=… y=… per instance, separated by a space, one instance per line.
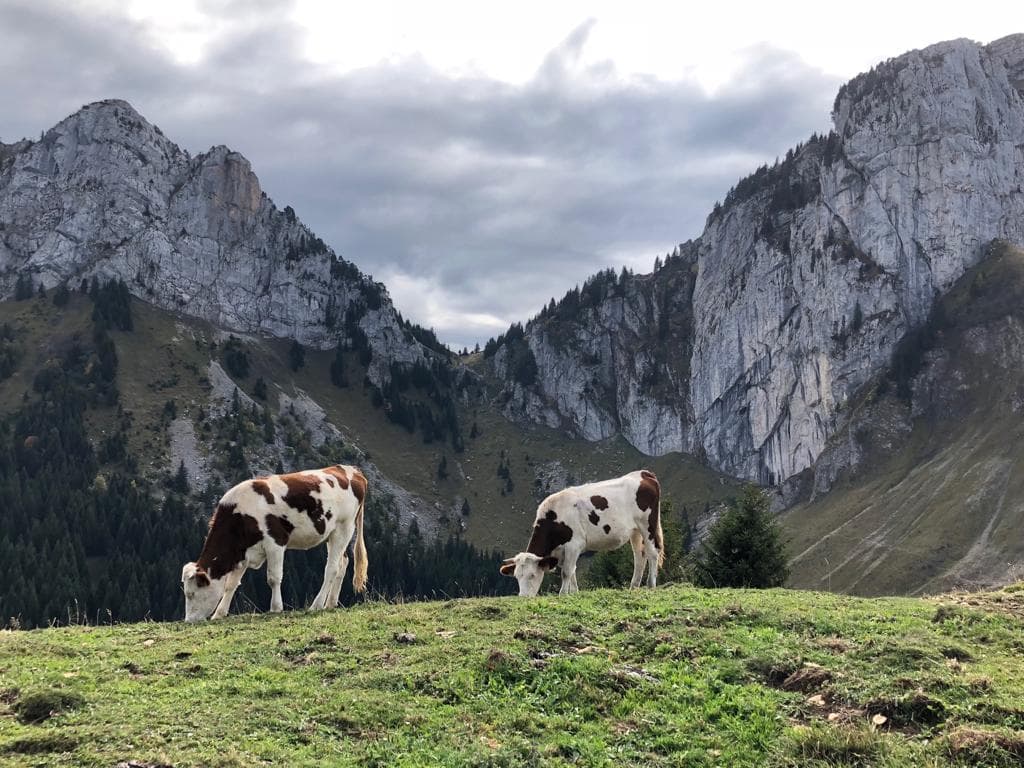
x=548 y=535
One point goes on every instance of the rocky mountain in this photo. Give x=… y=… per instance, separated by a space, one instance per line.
x=105 y=194
x=920 y=489
x=747 y=346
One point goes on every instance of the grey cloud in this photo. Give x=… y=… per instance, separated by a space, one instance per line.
x=492 y=196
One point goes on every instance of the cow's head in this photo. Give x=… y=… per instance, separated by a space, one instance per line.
x=529 y=571
x=201 y=592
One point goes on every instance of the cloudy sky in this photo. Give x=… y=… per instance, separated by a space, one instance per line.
x=476 y=157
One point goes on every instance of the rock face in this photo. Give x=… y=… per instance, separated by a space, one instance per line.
x=106 y=194
x=806 y=277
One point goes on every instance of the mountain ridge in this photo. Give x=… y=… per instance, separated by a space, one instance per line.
x=813 y=269
x=105 y=194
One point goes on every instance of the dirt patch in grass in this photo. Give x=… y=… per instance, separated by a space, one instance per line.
x=40 y=744
x=976 y=746
x=42 y=705
x=912 y=711
x=771 y=671
x=970 y=606
x=834 y=745
x=834 y=644
x=957 y=653
x=809 y=677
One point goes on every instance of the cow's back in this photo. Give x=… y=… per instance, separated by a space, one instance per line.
x=299 y=510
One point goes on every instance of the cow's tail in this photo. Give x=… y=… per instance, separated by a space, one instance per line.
x=660 y=536
x=655 y=524
x=359 y=564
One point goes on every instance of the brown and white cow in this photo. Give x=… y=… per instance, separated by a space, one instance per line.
x=594 y=517
x=257 y=520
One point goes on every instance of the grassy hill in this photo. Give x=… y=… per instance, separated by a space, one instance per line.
x=937 y=500
x=677 y=676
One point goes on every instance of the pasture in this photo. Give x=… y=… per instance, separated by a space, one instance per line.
x=677 y=676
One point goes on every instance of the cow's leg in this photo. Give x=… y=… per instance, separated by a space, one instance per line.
x=275 y=573
x=335 y=550
x=636 y=541
x=231 y=582
x=651 y=553
x=332 y=597
x=569 y=558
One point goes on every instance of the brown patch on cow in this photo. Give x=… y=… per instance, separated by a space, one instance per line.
x=599 y=502
x=301 y=488
x=607 y=528
x=551 y=515
x=202 y=580
x=231 y=534
x=359 y=486
x=339 y=474
x=593 y=517
x=262 y=487
x=648 y=496
x=279 y=528
x=547 y=536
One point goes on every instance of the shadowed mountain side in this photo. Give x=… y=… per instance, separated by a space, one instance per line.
x=926 y=493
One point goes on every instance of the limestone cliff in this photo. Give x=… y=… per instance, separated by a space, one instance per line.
x=806 y=277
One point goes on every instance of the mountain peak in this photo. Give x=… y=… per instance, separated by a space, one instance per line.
x=1011 y=50
x=104 y=193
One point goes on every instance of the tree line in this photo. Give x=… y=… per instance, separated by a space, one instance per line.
x=84 y=537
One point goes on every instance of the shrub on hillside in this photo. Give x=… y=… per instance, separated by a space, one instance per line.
x=744 y=547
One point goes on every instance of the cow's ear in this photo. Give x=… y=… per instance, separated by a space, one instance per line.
x=547 y=563
x=508 y=568
x=202 y=580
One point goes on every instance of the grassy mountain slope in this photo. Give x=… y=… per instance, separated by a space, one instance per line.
x=166 y=359
x=936 y=500
x=677 y=676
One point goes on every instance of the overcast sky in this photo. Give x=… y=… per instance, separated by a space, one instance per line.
x=476 y=157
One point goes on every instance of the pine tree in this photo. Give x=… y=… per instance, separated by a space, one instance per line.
x=179 y=483
x=23 y=288
x=338 y=375
x=744 y=548
x=296 y=356
x=61 y=296
x=268 y=425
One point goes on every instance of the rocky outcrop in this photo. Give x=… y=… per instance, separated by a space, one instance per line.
x=809 y=273
x=106 y=194
x=612 y=358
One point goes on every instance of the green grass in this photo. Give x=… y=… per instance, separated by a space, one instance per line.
x=674 y=677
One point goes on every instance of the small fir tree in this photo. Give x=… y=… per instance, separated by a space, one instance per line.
x=744 y=548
